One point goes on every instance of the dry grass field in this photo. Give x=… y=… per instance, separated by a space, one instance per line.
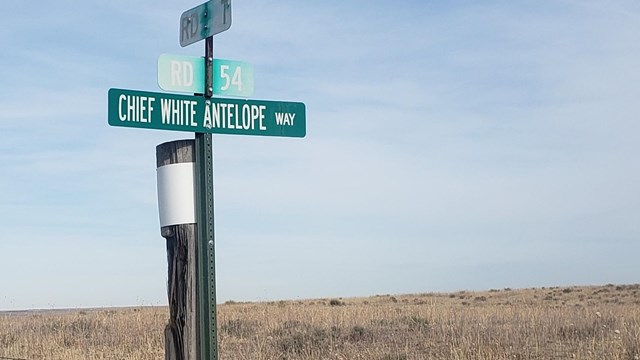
x=548 y=323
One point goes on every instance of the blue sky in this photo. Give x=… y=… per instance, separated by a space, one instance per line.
x=450 y=145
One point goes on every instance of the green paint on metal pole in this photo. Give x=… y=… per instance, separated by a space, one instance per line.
x=207 y=316
x=206 y=248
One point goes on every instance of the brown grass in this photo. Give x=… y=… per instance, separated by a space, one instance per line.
x=548 y=323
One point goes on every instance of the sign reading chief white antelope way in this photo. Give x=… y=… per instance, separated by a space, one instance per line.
x=151 y=110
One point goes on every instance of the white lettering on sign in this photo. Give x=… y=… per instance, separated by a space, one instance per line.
x=285 y=118
x=178 y=112
x=232 y=116
x=181 y=73
x=235 y=80
x=135 y=108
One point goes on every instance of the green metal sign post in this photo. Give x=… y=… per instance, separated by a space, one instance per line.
x=205 y=115
x=206 y=259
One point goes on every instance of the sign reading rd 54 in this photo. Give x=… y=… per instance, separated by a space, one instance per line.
x=186 y=74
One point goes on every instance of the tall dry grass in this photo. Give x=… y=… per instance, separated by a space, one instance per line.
x=84 y=334
x=553 y=323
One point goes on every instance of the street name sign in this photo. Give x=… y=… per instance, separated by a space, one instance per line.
x=204 y=115
x=232 y=78
x=204 y=20
x=150 y=110
x=181 y=73
x=186 y=74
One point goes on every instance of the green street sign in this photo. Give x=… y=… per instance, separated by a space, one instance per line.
x=232 y=78
x=150 y=110
x=186 y=74
x=181 y=73
x=204 y=20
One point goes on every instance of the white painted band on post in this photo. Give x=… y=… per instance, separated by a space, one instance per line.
x=176 y=194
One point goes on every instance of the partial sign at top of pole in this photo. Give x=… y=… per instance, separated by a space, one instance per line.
x=205 y=20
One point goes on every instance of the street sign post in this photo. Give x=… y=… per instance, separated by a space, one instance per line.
x=186 y=74
x=205 y=20
x=150 y=110
x=193 y=323
x=206 y=312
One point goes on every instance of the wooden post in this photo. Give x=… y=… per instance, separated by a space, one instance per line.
x=180 y=333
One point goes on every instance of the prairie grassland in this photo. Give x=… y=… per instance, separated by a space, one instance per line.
x=547 y=323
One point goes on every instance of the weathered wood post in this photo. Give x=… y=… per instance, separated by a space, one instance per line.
x=176 y=195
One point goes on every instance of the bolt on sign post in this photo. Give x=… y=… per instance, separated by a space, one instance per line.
x=185 y=167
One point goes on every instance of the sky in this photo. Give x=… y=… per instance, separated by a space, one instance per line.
x=451 y=145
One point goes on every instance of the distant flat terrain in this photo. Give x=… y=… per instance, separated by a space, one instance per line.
x=569 y=322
